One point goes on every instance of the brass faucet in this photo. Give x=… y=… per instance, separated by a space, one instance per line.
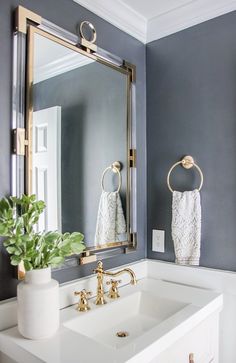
x=100 y=300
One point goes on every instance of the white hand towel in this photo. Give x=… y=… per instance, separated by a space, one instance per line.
x=111 y=223
x=186 y=227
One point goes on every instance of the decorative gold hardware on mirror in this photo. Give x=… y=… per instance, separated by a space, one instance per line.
x=133 y=240
x=187 y=162
x=88 y=44
x=22 y=15
x=191 y=358
x=87 y=257
x=19 y=141
x=113 y=292
x=90 y=25
x=83 y=304
x=132 y=158
x=132 y=70
x=100 y=300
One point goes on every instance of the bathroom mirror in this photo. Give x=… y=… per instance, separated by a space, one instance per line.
x=79 y=128
x=79 y=155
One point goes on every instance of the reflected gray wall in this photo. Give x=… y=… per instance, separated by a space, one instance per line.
x=93 y=101
x=68 y=14
x=191 y=110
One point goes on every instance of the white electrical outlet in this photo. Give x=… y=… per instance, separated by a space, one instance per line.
x=158 y=240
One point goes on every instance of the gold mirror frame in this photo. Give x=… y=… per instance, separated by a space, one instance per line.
x=27 y=25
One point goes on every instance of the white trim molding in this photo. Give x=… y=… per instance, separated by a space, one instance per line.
x=59 y=66
x=120 y=15
x=162 y=24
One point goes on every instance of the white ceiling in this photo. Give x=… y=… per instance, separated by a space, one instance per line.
x=148 y=20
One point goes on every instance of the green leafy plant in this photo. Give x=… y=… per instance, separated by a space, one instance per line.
x=18 y=218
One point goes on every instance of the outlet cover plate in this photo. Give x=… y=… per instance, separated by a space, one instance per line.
x=158 y=240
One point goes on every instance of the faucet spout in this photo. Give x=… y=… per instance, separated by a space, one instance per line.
x=133 y=280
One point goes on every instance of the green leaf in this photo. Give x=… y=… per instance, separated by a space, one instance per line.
x=3 y=230
x=30 y=244
x=37 y=260
x=4 y=205
x=51 y=237
x=28 y=265
x=64 y=243
x=11 y=249
x=77 y=247
x=77 y=236
x=55 y=261
x=15 y=260
x=66 y=251
x=9 y=241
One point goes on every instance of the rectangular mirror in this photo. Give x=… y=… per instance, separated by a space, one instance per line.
x=79 y=128
x=79 y=157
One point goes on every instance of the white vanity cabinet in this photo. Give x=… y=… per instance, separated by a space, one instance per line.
x=202 y=342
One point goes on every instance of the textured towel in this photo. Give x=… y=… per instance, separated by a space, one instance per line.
x=186 y=227
x=111 y=225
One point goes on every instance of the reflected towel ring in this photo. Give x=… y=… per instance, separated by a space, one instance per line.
x=187 y=162
x=115 y=168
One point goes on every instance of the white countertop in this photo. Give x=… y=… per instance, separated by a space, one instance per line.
x=68 y=346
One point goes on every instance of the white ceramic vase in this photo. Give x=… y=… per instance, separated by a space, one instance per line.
x=38 y=304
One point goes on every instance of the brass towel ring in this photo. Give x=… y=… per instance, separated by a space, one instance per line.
x=187 y=162
x=115 y=167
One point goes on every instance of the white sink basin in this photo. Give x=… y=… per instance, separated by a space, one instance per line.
x=134 y=314
x=154 y=313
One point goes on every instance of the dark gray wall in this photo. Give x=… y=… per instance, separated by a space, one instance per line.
x=191 y=109
x=68 y=14
x=93 y=101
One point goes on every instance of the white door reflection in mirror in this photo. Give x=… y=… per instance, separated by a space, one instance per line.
x=46 y=172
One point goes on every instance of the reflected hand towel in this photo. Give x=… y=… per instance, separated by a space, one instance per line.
x=186 y=227
x=111 y=223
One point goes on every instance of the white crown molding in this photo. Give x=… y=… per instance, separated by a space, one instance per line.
x=120 y=15
x=186 y=15
x=60 y=66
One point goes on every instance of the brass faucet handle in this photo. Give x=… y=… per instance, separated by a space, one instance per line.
x=114 y=282
x=83 y=304
x=83 y=293
x=113 y=292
